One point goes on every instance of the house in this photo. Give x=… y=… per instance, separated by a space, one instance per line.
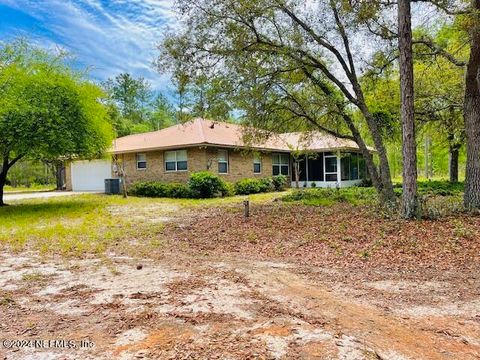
x=172 y=154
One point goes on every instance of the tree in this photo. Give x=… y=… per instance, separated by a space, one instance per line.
x=47 y=111
x=287 y=52
x=472 y=112
x=134 y=107
x=468 y=16
x=409 y=146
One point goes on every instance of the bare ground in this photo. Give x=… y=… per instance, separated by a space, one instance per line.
x=291 y=282
x=181 y=308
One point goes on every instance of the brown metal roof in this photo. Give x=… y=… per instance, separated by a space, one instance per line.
x=204 y=132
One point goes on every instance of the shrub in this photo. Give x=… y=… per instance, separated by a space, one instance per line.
x=179 y=191
x=266 y=184
x=158 y=189
x=204 y=184
x=149 y=189
x=328 y=196
x=228 y=189
x=279 y=182
x=248 y=186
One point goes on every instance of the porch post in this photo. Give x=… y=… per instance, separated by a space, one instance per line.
x=306 y=169
x=339 y=169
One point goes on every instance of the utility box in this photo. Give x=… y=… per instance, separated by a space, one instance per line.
x=112 y=186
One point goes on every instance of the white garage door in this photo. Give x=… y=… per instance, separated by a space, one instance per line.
x=90 y=175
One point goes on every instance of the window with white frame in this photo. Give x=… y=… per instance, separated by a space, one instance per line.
x=257 y=164
x=176 y=160
x=223 y=161
x=280 y=164
x=141 y=161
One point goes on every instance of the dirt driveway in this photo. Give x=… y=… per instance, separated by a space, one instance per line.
x=180 y=308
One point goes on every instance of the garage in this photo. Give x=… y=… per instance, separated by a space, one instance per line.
x=90 y=175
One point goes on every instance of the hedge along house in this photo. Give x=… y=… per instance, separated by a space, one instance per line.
x=172 y=154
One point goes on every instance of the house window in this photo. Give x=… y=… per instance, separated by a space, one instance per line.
x=257 y=164
x=330 y=167
x=141 y=161
x=176 y=160
x=223 y=161
x=280 y=163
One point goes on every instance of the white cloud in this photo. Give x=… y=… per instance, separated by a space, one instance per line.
x=118 y=36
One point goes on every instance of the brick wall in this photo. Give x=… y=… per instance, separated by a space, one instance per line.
x=155 y=170
x=199 y=159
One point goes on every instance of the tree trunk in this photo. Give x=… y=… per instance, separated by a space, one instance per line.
x=409 y=147
x=60 y=175
x=383 y=185
x=472 y=116
x=453 y=162
x=3 y=179
x=2 y=185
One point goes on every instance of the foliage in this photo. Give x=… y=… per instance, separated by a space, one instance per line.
x=228 y=189
x=134 y=107
x=248 y=186
x=204 y=184
x=159 y=189
x=47 y=110
x=30 y=173
x=254 y=186
x=279 y=182
x=436 y=188
x=329 y=196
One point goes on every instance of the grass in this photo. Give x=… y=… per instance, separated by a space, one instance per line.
x=93 y=223
x=33 y=187
x=363 y=195
x=98 y=224
x=329 y=196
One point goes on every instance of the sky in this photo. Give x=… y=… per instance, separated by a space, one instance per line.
x=107 y=36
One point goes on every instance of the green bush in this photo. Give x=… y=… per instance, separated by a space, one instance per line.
x=266 y=184
x=279 y=182
x=228 y=189
x=158 y=189
x=179 y=191
x=204 y=184
x=248 y=186
x=149 y=189
x=328 y=196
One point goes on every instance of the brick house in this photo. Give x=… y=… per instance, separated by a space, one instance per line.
x=172 y=154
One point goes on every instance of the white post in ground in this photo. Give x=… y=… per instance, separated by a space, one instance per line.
x=339 y=169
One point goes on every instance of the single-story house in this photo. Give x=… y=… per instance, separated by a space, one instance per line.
x=173 y=153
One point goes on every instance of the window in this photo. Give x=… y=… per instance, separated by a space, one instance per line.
x=330 y=168
x=350 y=163
x=345 y=167
x=223 y=161
x=257 y=164
x=280 y=164
x=141 y=161
x=176 y=160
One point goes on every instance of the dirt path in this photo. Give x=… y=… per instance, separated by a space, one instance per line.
x=183 y=308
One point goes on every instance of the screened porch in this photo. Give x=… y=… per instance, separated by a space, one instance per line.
x=330 y=169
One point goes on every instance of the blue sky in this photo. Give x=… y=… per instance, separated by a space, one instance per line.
x=110 y=37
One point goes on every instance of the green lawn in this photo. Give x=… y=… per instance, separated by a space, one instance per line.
x=93 y=223
x=34 y=187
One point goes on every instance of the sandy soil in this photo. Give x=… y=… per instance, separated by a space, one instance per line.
x=180 y=307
